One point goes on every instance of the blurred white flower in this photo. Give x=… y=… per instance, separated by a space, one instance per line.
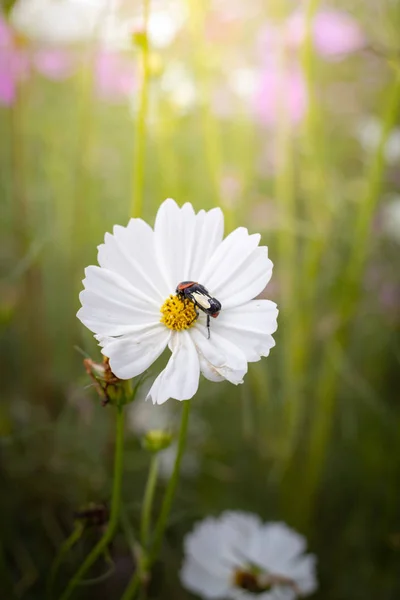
x=165 y=21
x=129 y=301
x=369 y=133
x=59 y=21
x=164 y=24
x=178 y=83
x=244 y=81
x=237 y=556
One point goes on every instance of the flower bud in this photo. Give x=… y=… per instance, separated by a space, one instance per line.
x=139 y=38
x=110 y=388
x=157 y=440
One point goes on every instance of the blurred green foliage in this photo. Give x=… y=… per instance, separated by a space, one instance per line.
x=312 y=437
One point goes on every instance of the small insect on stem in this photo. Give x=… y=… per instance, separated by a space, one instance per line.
x=201 y=298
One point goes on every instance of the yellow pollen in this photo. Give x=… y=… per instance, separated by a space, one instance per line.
x=178 y=314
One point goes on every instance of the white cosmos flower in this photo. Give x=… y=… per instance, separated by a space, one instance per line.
x=238 y=557
x=129 y=301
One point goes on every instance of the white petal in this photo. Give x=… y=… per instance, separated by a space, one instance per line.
x=130 y=252
x=180 y=378
x=208 y=233
x=238 y=594
x=275 y=546
x=280 y=593
x=206 y=545
x=132 y=354
x=247 y=281
x=112 y=306
x=173 y=229
x=249 y=327
x=238 y=529
x=196 y=578
x=185 y=241
x=228 y=257
x=223 y=356
x=303 y=571
x=208 y=371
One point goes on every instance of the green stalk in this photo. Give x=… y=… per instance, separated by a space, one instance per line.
x=31 y=296
x=140 y=138
x=148 y=559
x=108 y=535
x=170 y=491
x=133 y=586
x=65 y=548
x=286 y=242
x=209 y=126
x=148 y=500
x=350 y=294
x=314 y=172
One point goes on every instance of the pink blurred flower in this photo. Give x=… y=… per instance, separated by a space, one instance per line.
x=55 y=63
x=16 y=60
x=282 y=86
x=336 y=34
x=281 y=90
x=114 y=76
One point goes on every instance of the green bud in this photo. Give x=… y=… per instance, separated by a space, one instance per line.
x=156 y=440
x=139 y=38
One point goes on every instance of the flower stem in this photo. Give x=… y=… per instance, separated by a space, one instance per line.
x=65 y=548
x=101 y=546
x=133 y=586
x=209 y=128
x=140 y=138
x=139 y=577
x=350 y=291
x=170 y=491
x=314 y=182
x=285 y=195
x=148 y=500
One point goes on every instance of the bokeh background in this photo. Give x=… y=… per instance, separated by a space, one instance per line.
x=284 y=114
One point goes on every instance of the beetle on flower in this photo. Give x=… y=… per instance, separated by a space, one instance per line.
x=131 y=302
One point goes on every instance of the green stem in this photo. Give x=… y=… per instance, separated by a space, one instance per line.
x=140 y=138
x=350 y=292
x=65 y=548
x=115 y=509
x=133 y=586
x=31 y=296
x=140 y=575
x=209 y=126
x=314 y=182
x=148 y=500
x=287 y=252
x=170 y=491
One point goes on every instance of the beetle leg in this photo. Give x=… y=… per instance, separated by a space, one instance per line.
x=208 y=326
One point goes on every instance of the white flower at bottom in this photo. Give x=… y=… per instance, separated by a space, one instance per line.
x=237 y=556
x=129 y=301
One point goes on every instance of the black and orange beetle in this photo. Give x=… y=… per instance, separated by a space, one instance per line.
x=201 y=298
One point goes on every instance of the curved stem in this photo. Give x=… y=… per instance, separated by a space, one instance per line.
x=115 y=509
x=148 y=500
x=140 y=138
x=139 y=577
x=65 y=548
x=133 y=586
x=170 y=491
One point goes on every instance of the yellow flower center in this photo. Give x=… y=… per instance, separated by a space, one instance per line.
x=178 y=314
